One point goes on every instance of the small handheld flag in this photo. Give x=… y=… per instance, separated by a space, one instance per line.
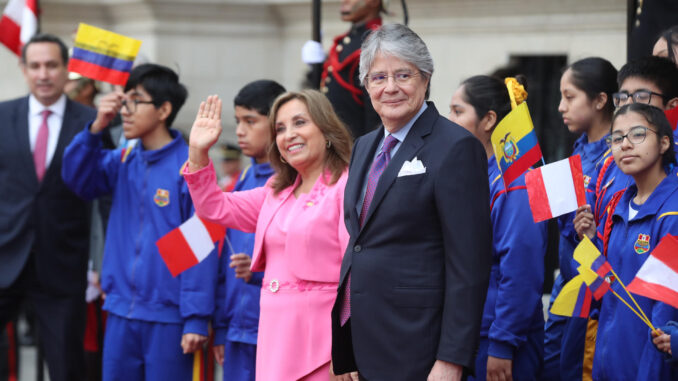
x=514 y=141
x=189 y=244
x=594 y=271
x=658 y=277
x=574 y=299
x=19 y=22
x=594 y=267
x=556 y=188
x=102 y=55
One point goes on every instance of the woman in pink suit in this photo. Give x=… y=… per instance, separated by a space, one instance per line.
x=299 y=224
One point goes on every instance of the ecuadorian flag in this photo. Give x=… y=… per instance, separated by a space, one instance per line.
x=515 y=144
x=574 y=299
x=103 y=55
x=594 y=267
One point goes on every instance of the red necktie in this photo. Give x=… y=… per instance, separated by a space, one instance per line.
x=40 y=152
x=378 y=165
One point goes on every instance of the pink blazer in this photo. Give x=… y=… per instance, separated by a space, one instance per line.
x=252 y=211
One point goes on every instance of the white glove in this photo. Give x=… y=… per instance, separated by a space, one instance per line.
x=312 y=52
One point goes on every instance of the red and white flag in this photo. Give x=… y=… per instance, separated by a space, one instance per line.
x=556 y=188
x=658 y=277
x=18 y=24
x=189 y=244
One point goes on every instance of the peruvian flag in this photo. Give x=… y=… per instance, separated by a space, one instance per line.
x=658 y=277
x=556 y=189
x=190 y=243
x=18 y=24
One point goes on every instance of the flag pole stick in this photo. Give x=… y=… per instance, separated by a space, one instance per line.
x=647 y=322
x=228 y=242
x=631 y=296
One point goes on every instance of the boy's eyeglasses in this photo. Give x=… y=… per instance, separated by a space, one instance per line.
x=131 y=106
x=639 y=96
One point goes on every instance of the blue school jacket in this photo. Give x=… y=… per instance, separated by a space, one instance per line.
x=150 y=198
x=624 y=350
x=513 y=306
x=237 y=314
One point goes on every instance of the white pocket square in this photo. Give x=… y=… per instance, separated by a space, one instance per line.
x=413 y=167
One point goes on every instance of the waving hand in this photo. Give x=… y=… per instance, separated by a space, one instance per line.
x=204 y=133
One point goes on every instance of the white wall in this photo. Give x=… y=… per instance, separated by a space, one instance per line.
x=219 y=45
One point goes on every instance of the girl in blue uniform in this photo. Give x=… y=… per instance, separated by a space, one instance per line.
x=586 y=89
x=511 y=343
x=641 y=140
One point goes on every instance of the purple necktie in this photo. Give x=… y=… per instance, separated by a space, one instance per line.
x=40 y=151
x=380 y=163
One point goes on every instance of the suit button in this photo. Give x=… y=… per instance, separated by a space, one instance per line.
x=357 y=248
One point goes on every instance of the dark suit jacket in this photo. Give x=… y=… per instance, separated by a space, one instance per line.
x=420 y=265
x=46 y=218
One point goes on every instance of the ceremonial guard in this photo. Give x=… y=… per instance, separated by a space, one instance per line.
x=339 y=80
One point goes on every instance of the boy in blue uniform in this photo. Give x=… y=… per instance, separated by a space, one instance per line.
x=633 y=225
x=648 y=80
x=237 y=316
x=511 y=334
x=155 y=320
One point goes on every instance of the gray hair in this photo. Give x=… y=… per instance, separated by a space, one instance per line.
x=398 y=41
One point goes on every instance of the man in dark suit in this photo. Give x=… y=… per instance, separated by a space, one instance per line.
x=44 y=227
x=416 y=269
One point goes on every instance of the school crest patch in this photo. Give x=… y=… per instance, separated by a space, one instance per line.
x=642 y=244
x=161 y=197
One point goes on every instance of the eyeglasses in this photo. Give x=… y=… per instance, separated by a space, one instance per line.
x=636 y=135
x=380 y=79
x=131 y=106
x=639 y=96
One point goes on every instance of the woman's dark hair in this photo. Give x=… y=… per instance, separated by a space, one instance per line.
x=258 y=95
x=162 y=84
x=671 y=37
x=487 y=93
x=656 y=118
x=595 y=75
x=322 y=114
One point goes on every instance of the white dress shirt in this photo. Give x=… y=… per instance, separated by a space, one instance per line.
x=54 y=121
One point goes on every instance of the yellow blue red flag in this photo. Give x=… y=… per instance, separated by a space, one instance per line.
x=591 y=261
x=102 y=55
x=515 y=144
x=574 y=299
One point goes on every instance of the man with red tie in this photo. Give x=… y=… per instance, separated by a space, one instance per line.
x=44 y=227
